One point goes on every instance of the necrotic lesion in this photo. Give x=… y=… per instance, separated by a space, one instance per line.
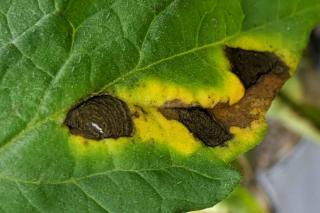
x=201 y=123
x=100 y=117
x=262 y=74
x=250 y=65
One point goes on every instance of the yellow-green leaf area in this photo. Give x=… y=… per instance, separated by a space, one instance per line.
x=148 y=54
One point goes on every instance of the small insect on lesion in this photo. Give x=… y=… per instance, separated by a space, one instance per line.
x=99 y=117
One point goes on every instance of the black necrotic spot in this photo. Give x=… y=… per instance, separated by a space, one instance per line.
x=250 y=65
x=200 y=123
x=100 y=117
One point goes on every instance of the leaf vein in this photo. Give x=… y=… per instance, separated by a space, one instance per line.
x=136 y=70
x=26 y=198
x=72 y=180
x=91 y=197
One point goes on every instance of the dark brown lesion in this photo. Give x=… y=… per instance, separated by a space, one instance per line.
x=258 y=97
x=100 y=117
x=250 y=65
x=201 y=123
x=262 y=74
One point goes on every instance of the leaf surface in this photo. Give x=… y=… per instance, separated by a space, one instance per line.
x=54 y=54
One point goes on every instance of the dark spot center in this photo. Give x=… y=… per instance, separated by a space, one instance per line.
x=100 y=117
x=250 y=65
x=200 y=123
x=262 y=74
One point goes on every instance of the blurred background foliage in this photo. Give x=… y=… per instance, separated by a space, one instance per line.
x=293 y=117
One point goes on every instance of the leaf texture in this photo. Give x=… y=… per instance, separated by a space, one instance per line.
x=55 y=53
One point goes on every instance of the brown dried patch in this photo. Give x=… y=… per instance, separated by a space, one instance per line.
x=257 y=99
x=262 y=73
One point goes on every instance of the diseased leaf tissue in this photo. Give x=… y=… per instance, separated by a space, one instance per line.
x=137 y=105
x=100 y=117
x=104 y=116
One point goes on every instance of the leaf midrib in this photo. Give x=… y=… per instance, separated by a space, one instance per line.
x=79 y=179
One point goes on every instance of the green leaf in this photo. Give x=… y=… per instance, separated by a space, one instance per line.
x=53 y=54
x=241 y=200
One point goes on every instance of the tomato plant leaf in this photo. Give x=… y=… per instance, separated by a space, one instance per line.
x=60 y=57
